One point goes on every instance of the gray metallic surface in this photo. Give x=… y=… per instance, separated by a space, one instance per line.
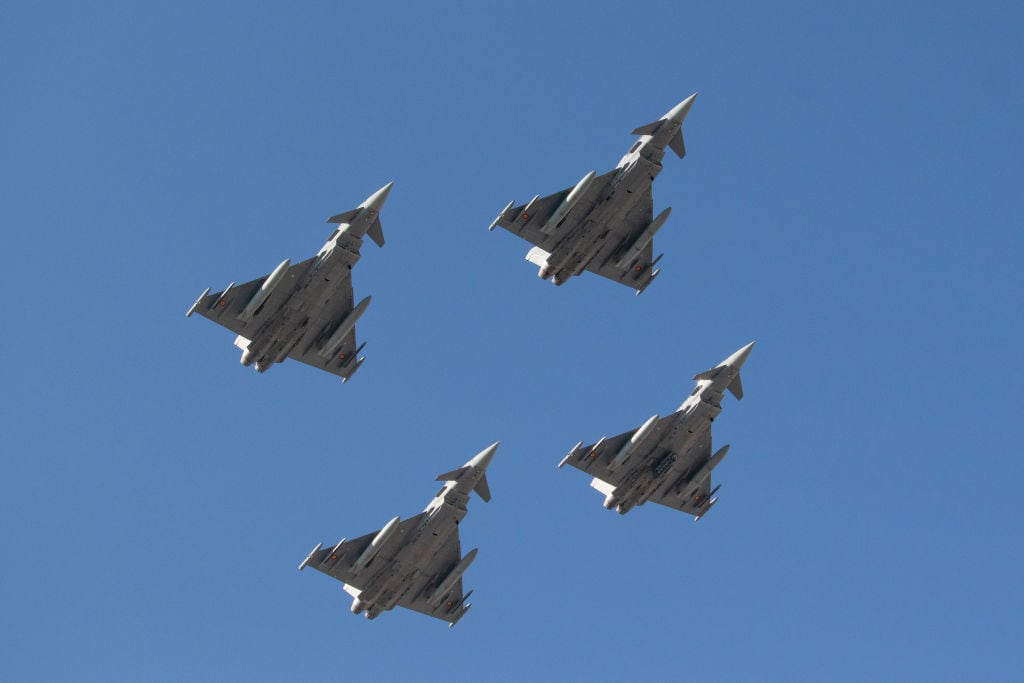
x=303 y=311
x=669 y=461
x=603 y=224
x=418 y=563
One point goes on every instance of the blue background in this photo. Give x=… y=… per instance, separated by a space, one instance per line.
x=851 y=199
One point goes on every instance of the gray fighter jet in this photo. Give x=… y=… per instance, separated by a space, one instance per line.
x=415 y=563
x=604 y=224
x=304 y=311
x=667 y=460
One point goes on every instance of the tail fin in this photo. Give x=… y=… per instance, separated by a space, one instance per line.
x=736 y=387
x=677 y=144
x=376 y=232
x=482 y=489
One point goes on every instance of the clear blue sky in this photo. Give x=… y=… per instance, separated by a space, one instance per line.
x=851 y=199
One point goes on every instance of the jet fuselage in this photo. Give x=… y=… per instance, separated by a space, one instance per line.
x=587 y=242
x=441 y=519
x=309 y=296
x=661 y=469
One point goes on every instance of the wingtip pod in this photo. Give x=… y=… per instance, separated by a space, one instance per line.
x=462 y=612
x=501 y=215
x=358 y=364
x=309 y=557
x=706 y=510
x=571 y=453
x=710 y=503
x=654 y=274
x=193 y=307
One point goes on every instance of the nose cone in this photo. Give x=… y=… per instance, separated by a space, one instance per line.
x=737 y=359
x=377 y=199
x=482 y=459
x=679 y=112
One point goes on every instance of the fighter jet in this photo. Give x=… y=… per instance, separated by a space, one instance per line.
x=667 y=460
x=415 y=563
x=604 y=224
x=303 y=311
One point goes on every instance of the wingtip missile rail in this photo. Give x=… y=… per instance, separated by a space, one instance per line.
x=501 y=215
x=194 y=306
x=570 y=454
x=711 y=500
x=309 y=557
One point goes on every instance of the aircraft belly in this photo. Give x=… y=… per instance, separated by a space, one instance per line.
x=422 y=549
x=290 y=328
x=689 y=456
x=629 y=490
x=382 y=582
x=635 y=182
x=576 y=251
x=411 y=585
x=279 y=333
x=605 y=228
x=397 y=587
x=643 y=480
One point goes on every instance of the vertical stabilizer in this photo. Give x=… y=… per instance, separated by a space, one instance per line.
x=736 y=387
x=482 y=489
x=376 y=232
x=677 y=144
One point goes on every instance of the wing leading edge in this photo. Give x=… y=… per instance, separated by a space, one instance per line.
x=606 y=459
x=434 y=584
x=225 y=307
x=529 y=220
x=228 y=308
x=611 y=462
x=632 y=263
